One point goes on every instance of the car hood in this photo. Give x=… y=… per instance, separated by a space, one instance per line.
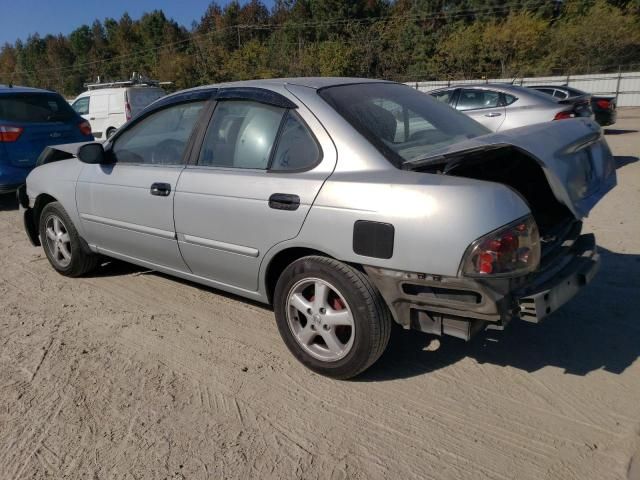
x=573 y=154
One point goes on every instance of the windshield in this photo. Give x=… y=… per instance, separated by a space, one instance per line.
x=401 y=122
x=35 y=107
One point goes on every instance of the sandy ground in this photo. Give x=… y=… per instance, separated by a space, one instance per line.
x=129 y=374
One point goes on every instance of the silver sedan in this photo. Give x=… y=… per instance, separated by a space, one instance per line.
x=500 y=106
x=347 y=204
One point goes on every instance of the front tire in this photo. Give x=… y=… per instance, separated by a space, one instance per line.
x=331 y=317
x=62 y=244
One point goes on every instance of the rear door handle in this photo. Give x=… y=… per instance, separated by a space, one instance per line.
x=284 y=201
x=160 y=189
x=492 y=114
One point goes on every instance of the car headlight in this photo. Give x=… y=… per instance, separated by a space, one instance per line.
x=509 y=251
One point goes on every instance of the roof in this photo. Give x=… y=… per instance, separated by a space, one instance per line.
x=18 y=89
x=311 y=82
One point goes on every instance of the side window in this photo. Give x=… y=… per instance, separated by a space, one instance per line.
x=445 y=96
x=296 y=148
x=241 y=135
x=509 y=99
x=159 y=138
x=81 y=106
x=560 y=94
x=548 y=91
x=473 y=99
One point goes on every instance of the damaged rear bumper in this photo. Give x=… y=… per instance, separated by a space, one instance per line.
x=460 y=306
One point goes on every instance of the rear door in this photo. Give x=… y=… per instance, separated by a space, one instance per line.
x=250 y=185
x=484 y=106
x=43 y=119
x=126 y=207
x=99 y=112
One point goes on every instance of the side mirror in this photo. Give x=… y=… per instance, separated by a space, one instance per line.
x=91 y=153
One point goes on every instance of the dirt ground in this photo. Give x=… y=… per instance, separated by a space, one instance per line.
x=133 y=375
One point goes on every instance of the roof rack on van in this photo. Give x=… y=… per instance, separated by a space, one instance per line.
x=137 y=80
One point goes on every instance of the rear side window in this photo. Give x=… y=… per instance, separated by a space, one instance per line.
x=159 y=138
x=297 y=148
x=560 y=94
x=473 y=99
x=509 y=99
x=35 y=107
x=81 y=106
x=241 y=135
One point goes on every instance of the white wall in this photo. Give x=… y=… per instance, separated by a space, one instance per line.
x=626 y=84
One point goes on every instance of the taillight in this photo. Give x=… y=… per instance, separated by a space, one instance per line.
x=564 y=115
x=85 y=128
x=127 y=111
x=511 y=250
x=604 y=104
x=10 y=134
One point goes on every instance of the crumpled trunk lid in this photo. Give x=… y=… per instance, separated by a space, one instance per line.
x=573 y=154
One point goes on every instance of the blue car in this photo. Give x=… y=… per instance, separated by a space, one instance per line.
x=30 y=120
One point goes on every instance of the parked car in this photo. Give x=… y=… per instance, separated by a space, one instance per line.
x=30 y=120
x=347 y=204
x=109 y=105
x=503 y=106
x=604 y=107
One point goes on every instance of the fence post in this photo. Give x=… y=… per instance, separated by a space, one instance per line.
x=618 y=83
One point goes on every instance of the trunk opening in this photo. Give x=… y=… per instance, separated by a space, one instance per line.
x=514 y=168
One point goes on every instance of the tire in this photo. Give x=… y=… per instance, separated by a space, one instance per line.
x=66 y=251
x=110 y=133
x=348 y=296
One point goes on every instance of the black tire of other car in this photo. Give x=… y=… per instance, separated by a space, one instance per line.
x=110 y=132
x=82 y=261
x=371 y=316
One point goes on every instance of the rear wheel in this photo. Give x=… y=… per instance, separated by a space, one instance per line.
x=62 y=244
x=110 y=132
x=331 y=317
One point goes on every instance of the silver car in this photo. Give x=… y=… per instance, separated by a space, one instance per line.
x=347 y=204
x=500 y=106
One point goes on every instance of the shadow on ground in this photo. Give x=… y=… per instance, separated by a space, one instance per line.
x=599 y=329
x=616 y=131
x=623 y=161
x=8 y=201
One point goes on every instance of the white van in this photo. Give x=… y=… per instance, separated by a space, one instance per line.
x=107 y=108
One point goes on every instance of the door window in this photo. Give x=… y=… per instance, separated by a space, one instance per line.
x=297 y=149
x=241 y=135
x=473 y=99
x=81 y=106
x=160 y=138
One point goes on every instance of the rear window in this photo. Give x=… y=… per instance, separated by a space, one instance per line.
x=402 y=123
x=139 y=98
x=35 y=107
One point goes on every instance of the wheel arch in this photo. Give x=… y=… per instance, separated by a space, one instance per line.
x=282 y=260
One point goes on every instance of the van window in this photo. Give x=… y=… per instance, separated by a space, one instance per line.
x=139 y=98
x=81 y=106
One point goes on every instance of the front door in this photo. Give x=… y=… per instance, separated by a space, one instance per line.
x=126 y=207
x=249 y=188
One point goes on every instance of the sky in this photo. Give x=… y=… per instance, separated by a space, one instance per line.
x=20 y=18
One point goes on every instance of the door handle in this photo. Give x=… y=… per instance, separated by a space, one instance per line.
x=92 y=118
x=160 y=189
x=284 y=201
x=492 y=114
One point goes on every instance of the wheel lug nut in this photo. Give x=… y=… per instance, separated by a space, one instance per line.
x=313 y=327
x=323 y=311
x=325 y=326
x=309 y=311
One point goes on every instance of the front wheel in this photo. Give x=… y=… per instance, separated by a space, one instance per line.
x=331 y=317
x=62 y=243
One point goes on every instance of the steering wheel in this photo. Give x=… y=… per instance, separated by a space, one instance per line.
x=167 y=152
